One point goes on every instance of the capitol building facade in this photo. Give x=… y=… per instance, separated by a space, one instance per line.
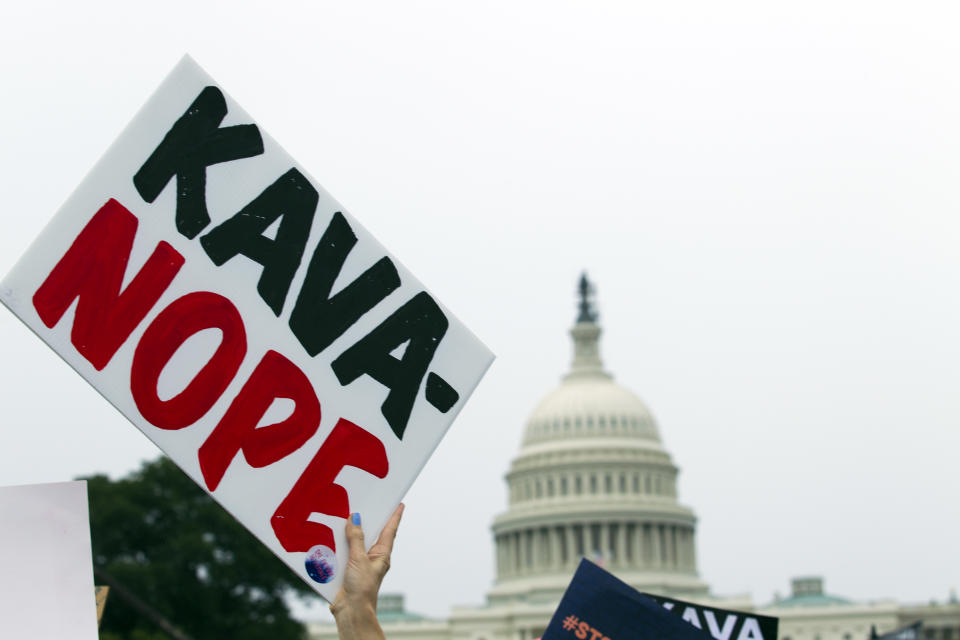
x=593 y=480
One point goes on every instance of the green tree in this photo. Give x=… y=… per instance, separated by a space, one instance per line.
x=163 y=541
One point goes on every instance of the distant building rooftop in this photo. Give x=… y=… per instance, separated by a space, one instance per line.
x=808 y=592
x=390 y=609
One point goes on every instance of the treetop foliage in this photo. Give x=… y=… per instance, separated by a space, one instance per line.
x=164 y=540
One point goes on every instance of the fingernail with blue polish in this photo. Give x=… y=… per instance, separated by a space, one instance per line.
x=355 y=518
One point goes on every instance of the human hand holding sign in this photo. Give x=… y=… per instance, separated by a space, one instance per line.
x=355 y=607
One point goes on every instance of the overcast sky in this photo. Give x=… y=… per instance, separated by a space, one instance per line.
x=766 y=195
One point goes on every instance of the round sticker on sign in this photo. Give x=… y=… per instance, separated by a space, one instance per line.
x=321 y=563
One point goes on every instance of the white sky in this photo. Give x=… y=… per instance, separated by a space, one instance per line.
x=765 y=193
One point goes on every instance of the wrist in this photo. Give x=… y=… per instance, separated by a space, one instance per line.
x=357 y=621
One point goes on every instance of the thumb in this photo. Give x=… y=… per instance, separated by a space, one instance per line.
x=357 y=547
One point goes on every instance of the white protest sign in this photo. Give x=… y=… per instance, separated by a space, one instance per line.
x=235 y=313
x=46 y=566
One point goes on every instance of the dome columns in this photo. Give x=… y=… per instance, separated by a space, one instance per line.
x=619 y=544
x=617 y=480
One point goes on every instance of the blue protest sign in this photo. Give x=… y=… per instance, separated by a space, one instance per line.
x=598 y=606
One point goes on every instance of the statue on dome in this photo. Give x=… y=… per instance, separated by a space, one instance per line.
x=586 y=290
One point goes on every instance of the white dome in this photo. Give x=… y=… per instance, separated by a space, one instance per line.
x=589 y=404
x=590 y=407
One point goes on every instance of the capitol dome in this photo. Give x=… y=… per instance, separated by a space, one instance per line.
x=593 y=480
x=589 y=408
